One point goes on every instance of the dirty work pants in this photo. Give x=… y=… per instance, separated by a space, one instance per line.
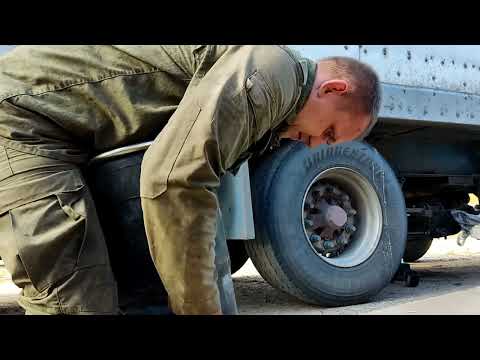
x=50 y=237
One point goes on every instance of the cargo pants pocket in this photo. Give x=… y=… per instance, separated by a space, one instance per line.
x=50 y=234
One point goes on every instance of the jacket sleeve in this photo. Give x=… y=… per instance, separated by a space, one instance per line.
x=216 y=121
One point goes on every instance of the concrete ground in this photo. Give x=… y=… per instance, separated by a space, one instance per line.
x=449 y=284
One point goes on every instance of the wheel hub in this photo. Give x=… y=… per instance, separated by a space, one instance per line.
x=329 y=218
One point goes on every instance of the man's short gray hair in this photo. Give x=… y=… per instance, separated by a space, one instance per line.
x=366 y=92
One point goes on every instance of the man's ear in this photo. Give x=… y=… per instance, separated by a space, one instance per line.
x=333 y=86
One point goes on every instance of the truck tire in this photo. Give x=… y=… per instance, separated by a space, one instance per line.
x=238 y=255
x=282 y=187
x=115 y=187
x=414 y=250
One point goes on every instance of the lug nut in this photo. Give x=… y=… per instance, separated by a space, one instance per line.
x=329 y=244
x=309 y=206
x=315 y=238
x=343 y=239
x=352 y=212
x=350 y=228
x=308 y=223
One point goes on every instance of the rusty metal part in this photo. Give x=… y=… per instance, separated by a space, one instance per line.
x=329 y=218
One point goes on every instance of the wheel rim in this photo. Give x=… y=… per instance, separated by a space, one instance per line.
x=342 y=217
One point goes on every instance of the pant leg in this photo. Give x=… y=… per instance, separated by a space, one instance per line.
x=50 y=238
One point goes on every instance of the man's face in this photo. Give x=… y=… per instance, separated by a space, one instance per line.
x=343 y=127
x=330 y=124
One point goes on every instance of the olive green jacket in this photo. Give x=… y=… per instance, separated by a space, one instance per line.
x=208 y=107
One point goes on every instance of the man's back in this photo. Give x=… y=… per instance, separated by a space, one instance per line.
x=68 y=101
